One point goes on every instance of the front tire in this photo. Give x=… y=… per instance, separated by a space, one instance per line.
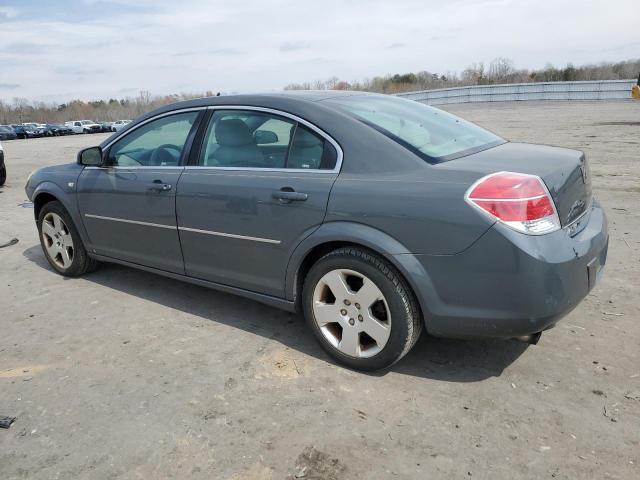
x=360 y=309
x=61 y=242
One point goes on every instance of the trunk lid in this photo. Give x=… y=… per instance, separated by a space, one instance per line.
x=564 y=172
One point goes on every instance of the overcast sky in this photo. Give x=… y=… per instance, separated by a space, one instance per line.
x=56 y=50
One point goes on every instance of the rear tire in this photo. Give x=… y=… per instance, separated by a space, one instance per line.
x=3 y=175
x=61 y=242
x=360 y=309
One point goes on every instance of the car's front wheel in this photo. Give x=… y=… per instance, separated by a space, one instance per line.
x=360 y=309
x=61 y=242
x=3 y=174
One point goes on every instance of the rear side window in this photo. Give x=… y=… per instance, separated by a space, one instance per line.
x=252 y=139
x=309 y=150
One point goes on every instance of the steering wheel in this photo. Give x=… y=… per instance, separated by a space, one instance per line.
x=160 y=154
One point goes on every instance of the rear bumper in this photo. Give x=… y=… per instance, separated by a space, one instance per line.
x=508 y=284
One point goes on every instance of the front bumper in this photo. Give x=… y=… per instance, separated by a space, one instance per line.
x=508 y=284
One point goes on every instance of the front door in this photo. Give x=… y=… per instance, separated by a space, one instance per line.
x=128 y=206
x=261 y=186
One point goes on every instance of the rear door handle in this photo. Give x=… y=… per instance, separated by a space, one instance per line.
x=288 y=195
x=158 y=186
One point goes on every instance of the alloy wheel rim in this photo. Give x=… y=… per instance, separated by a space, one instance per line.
x=57 y=240
x=352 y=313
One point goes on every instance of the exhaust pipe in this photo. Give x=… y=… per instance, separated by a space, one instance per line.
x=532 y=339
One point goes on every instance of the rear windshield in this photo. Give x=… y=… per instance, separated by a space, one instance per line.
x=432 y=134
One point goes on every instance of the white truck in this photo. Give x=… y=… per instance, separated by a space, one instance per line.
x=83 y=126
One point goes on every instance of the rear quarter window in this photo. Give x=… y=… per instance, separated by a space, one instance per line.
x=432 y=134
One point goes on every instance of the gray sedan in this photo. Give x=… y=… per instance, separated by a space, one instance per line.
x=375 y=216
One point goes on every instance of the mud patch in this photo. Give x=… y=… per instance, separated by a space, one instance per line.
x=283 y=363
x=256 y=472
x=313 y=464
x=27 y=371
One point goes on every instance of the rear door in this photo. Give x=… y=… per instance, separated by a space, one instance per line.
x=128 y=206
x=260 y=184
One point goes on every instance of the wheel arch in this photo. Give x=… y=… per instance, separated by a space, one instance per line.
x=48 y=192
x=334 y=235
x=40 y=200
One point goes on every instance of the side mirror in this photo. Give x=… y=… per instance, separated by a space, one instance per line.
x=264 y=137
x=90 y=157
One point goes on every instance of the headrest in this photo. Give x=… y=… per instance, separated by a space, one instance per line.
x=233 y=132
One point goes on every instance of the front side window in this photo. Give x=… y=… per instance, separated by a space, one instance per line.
x=155 y=144
x=433 y=134
x=251 y=139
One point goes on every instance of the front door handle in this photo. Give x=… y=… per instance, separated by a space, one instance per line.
x=288 y=195
x=158 y=186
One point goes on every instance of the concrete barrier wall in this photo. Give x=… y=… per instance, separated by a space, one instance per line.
x=583 y=90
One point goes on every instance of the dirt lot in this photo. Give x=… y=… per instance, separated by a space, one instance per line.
x=123 y=374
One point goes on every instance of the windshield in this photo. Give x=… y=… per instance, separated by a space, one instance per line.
x=433 y=134
x=87 y=122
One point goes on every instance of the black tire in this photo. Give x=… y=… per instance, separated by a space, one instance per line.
x=406 y=324
x=81 y=262
x=3 y=175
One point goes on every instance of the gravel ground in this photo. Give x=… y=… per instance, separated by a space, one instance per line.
x=123 y=374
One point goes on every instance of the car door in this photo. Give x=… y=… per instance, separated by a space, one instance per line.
x=260 y=185
x=128 y=205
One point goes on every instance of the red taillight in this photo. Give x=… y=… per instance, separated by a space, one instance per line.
x=520 y=201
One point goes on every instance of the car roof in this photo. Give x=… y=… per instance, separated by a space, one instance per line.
x=255 y=99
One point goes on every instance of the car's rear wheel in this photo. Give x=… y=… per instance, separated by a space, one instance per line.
x=360 y=309
x=3 y=174
x=61 y=242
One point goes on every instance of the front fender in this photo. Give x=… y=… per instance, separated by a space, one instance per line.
x=373 y=239
x=66 y=196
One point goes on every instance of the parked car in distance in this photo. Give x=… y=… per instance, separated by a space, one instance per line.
x=26 y=131
x=119 y=125
x=56 y=129
x=373 y=215
x=106 y=127
x=3 y=168
x=7 y=133
x=38 y=127
x=83 y=126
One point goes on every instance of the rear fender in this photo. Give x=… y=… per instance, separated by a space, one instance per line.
x=372 y=239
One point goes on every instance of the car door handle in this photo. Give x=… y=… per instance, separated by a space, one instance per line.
x=288 y=195
x=158 y=186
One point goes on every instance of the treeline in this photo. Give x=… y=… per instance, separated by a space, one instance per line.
x=20 y=110
x=500 y=70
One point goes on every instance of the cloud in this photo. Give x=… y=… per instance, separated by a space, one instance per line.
x=293 y=46
x=95 y=48
x=8 y=13
x=9 y=86
x=23 y=48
